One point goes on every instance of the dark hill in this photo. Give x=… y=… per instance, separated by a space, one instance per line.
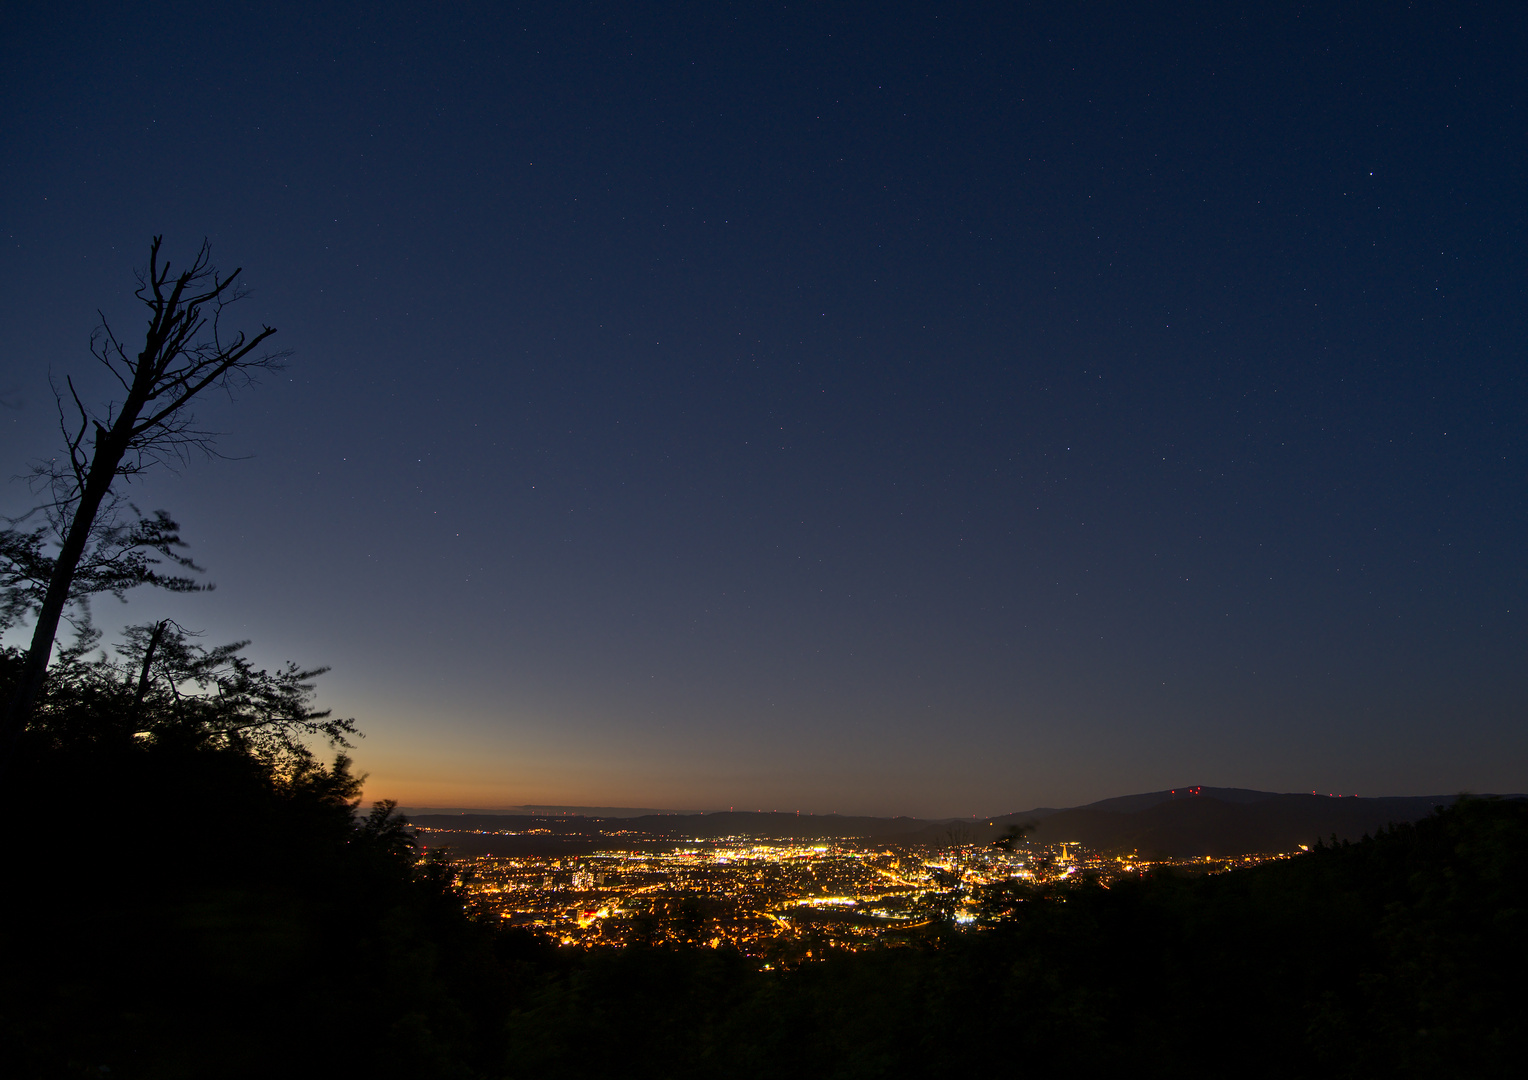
x=509 y=835
x=1180 y=823
x=776 y=826
x=1210 y=825
x=1126 y=804
x=682 y=826
x=1129 y=804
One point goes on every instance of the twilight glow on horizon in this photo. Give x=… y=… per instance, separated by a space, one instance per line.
x=865 y=410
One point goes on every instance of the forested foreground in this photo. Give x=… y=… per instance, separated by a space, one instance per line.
x=188 y=899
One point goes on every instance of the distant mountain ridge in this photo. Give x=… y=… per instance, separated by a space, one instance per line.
x=548 y=834
x=1128 y=804
x=537 y=810
x=1200 y=821
x=1177 y=823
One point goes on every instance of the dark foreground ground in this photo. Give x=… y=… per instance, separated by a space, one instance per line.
x=264 y=932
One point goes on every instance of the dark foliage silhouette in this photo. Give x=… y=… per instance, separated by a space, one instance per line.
x=1396 y=956
x=195 y=893
x=93 y=539
x=192 y=901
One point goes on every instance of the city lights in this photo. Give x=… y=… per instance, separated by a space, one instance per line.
x=783 y=901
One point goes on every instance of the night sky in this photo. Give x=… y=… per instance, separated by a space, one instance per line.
x=941 y=410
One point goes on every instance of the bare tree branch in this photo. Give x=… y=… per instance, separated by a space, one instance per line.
x=101 y=549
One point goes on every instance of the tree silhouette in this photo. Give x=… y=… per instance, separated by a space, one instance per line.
x=1013 y=836
x=100 y=548
x=164 y=685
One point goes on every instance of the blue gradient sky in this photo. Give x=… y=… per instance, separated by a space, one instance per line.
x=922 y=410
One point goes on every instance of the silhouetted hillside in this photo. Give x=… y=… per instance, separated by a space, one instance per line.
x=1185 y=823
x=536 y=810
x=193 y=909
x=1210 y=825
x=1125 y=804
x=509 y=835
x=1395 y=957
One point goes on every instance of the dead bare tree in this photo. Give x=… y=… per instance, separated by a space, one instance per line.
x=185 y=352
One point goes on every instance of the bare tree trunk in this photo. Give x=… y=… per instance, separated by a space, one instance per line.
x=148 y=662
x=103 y=470
x=176 y=364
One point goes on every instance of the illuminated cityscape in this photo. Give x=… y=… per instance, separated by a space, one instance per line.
x=780 y=900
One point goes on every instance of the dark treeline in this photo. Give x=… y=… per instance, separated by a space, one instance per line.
x=190 y=896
